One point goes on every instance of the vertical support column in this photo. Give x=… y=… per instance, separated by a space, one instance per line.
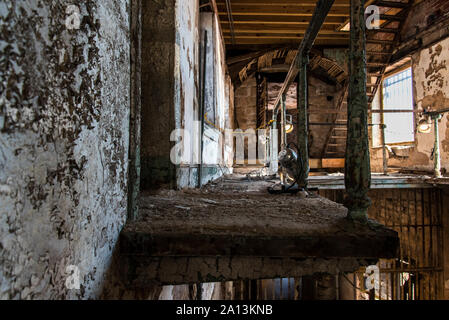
x=303 y=131
x=202 y=107
x=436 y=149
x=346 y=289
x=283 y=136
x=261 y=112
x=283 y=172
x=384 y=150
x=261 y=101
x=135 y=112
x=382 y=128
x=445 y=240
x=284 y=124
x=357 y=164
x=274 y=145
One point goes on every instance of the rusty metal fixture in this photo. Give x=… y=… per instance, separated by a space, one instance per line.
x=289 y=124
x=424 y=126
x=303 y=131
x=288 y=159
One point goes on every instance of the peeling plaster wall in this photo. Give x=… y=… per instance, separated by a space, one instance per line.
x=186 y=86
x=216 y=153
x=64 y=117
x=172 y=33
x=431 y=89
x=431 y=86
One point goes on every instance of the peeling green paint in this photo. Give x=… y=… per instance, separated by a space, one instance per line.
x=302 y=123
x=357 y=164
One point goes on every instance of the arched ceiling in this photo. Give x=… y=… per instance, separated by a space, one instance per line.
x=279 y=60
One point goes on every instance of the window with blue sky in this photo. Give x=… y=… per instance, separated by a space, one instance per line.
x=398 y=95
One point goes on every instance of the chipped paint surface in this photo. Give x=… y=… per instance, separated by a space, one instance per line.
x=431 y=73
x=63 y=146
x=431 y=86
x=217 y=157
x=424 y=31
x=357 y=158
x=187 y=104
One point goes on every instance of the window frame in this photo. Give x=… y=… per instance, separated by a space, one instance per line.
x=392 y=73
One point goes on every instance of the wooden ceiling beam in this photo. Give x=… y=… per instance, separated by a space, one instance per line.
x=276 y=41
x=284 y=30
x=279 y=19
x=274 y=22
x=245 y=57
x=287 y=37
x=283 y=12
x=281 y=26
x=299 y=3
x=390 y=13
x=391 y=4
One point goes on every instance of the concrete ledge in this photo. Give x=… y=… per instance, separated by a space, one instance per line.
x=236 y=230
x=371 y=245
x=144 y=271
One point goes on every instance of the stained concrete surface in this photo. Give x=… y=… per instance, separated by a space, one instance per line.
x=235 y=222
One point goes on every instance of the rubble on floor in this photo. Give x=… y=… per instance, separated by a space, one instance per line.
x=235 y=220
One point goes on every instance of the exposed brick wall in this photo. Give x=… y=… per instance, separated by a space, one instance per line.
x=245 y=105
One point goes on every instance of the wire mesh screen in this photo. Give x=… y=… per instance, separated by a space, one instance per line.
x=266 y=289
x=416 y=214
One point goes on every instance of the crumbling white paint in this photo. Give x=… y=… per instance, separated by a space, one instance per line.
x=63 y=155
x=166 y=293
x=190 y=27
x=432 y=84
x=208 y=290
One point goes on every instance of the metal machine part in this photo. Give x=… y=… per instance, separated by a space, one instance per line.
x=290 y=171
x=288 y=159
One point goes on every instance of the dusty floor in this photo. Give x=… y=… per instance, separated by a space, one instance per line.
x=234 y=229
x=237 y=207
x=238 y=216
